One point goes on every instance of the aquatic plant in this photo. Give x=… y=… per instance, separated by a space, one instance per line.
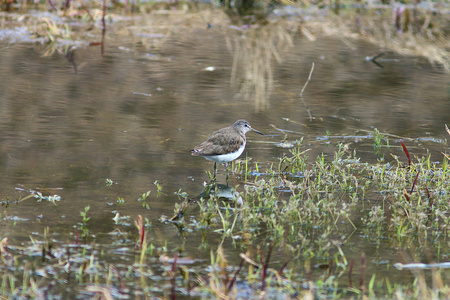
x=293 y=235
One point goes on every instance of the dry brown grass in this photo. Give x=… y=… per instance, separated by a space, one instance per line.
x=426 y=37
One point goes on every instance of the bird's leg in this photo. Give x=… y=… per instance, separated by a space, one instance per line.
x=213 y=182
x=226 y=165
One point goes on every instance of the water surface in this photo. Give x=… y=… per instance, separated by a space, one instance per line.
x=133 y=115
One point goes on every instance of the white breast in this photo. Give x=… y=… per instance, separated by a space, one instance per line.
x=224 y=158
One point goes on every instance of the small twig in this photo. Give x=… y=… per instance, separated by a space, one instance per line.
x=303 y=89
x=374 y=58
x=307 y=81
x=446 y=128
x=249 y=260
x=446 y=156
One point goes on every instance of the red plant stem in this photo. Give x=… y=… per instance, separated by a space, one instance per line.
x=263 y=272
x=406 y=152
x=363 y=270
x=414 y=183
x=268 y=256
x=350 y=271
x=172 y=280
x=428 y=192
x=141 y=228
x=142 y=234
x=265 y=267
x=230 y=286
x=284 y=266
x=405 y=193
x=260 y=255
x=122 y=285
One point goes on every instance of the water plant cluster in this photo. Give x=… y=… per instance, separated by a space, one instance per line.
x=298 y=228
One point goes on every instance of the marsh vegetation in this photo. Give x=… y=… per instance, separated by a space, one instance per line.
x=346 y=196
x=304 y=228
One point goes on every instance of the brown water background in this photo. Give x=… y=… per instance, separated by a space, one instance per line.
x=133 y=115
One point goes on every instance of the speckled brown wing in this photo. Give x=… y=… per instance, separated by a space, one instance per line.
x=219 y=143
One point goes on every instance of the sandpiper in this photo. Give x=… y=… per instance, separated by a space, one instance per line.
x=226 y=144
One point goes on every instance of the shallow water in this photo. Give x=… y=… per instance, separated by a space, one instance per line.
x=133 y=115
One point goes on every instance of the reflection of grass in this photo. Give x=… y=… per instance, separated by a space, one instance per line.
x=253 y=56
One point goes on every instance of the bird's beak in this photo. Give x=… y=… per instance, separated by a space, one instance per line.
x=257 y=131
